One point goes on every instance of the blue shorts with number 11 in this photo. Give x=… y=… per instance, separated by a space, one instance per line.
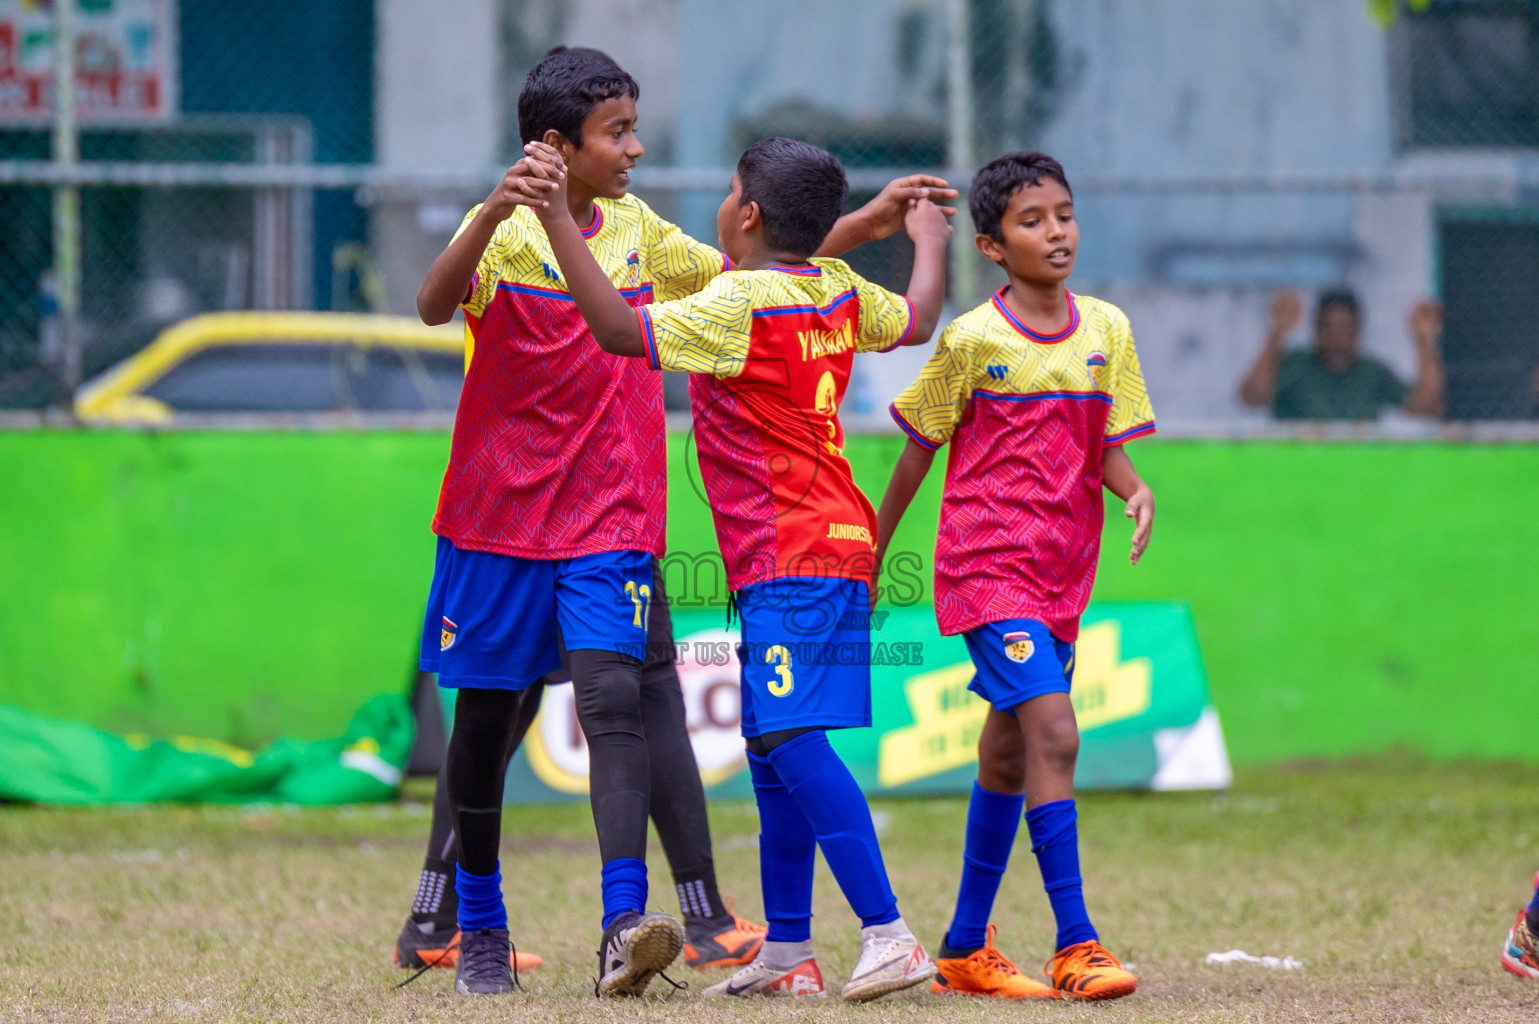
x=492 y=619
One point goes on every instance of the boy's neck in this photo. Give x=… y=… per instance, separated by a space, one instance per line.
x=1043 y=305
x=579 y=203
x=758 y=257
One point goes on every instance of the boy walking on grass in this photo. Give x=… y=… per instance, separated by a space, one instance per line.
x=1036 y=391
x=769 y=346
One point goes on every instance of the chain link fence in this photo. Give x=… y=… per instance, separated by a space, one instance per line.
x=1220 y=152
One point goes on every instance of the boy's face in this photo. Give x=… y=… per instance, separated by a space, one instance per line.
x=731 y=218
x=1041 y=235
x=602 y=165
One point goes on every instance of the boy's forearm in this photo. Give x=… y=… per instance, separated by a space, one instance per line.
x=609 y=316
x=927 y=288
x=848 y=231
x=1118 y=474
x=1260 y=382
x=1427 y=395
x=448 y=279
x=907 y=475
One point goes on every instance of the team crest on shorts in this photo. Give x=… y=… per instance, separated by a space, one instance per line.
x=633 y=267
x=1018 y=645
x=448 y=635
x=1095 y=363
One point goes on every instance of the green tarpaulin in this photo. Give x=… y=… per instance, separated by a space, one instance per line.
x=45 y=760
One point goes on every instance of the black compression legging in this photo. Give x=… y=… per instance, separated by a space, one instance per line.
x=488 y=726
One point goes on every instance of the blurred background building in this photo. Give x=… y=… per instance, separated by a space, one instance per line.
x=316 y=154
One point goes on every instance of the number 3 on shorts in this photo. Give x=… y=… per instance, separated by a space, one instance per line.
x=641 y=597
x=783 y=685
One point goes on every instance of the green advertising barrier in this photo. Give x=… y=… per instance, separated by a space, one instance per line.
x=1139 y=694
x=1350 y=597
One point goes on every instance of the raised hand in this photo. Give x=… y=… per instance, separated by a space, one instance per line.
x=888 y=212
x=925 y=220
x=547 y=170
x=1425 y=323
x=521 y=186
x=1284 y=315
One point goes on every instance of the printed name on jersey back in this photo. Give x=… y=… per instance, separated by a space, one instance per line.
x=816 y=344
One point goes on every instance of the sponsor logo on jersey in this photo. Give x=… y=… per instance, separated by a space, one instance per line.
x=448 y=635
x=633 y=267
x=998 y=370
x=1018 y=645
x=851 y=531
x=1095 y=363
x=816 y=344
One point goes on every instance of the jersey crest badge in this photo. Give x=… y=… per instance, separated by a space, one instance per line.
x=1018 y=646
x=1095 y=363
x=448 y=635
x=633 y=267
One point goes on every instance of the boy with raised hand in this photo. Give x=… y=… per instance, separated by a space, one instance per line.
x=552 y=507
x=1036 y=391
x=769 y=347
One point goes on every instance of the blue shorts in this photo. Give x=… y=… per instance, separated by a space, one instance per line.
x=492 y=620
x=806 y=655
x=1018 y=659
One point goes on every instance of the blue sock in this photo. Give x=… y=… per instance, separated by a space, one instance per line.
x=1533 y=905
x=992 y=821
x=625 y=887
x=787 y=850
x=481 y=903
x=1055 y=841
x=827 y=794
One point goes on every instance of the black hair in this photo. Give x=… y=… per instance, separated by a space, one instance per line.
x=1343 y=297
x=563 y=88
x=800 y=189
x=1002 y=178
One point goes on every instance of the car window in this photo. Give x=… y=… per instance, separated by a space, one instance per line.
x=297 y=378
x=403 y=380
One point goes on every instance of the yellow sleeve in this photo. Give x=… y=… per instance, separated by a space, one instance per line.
x=676 y=264
x=507 y=240
x=886 y=319
x=1131 y=414
x=703 y=333
x=929 y=409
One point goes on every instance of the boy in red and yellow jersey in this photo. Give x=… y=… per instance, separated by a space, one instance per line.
x=769 y=346
x=1036 y=417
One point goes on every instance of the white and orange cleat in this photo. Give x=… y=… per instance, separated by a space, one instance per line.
x=1520 y=953
x=760 y=979
x=891 y=959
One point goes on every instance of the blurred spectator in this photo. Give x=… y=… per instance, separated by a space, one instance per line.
x=1333 y=380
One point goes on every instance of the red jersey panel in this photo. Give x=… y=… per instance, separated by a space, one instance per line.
x=770 y=353
x=559 y=448
x=1027 y=416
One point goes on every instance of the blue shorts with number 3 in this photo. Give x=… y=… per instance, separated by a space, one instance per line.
x=806 y=654
x=492 y=619
x=1018 y=659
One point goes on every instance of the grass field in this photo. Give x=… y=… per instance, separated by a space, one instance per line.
x=1394 y=881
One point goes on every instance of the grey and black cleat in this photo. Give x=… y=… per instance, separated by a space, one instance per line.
x=635 y=949
x=485 y=967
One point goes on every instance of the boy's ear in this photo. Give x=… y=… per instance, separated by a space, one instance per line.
x=559 y=142
x=992 y=249
x=750 y=217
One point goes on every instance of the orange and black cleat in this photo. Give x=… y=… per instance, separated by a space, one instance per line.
x=732 y=946
x=988 y=973
x=418 y=947
x=1086 y=970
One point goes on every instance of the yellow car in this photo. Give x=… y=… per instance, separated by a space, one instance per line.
x=352 y=366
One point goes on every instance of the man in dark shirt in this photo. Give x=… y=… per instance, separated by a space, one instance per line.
x=1333 y=380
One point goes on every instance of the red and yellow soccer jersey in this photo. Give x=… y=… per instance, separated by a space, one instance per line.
x=558 y=446
x=769 y=354
x=1027 y=416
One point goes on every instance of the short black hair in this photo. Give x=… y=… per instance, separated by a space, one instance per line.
x=1338 y=296
x=1002 y=178
x=563 y=88
x=800 y=189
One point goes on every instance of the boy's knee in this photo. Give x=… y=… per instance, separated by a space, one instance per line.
x=1056 y=737
x=607 y=689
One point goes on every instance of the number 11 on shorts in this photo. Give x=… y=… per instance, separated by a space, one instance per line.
x=641 y=597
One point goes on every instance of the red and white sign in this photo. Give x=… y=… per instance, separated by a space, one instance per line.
x=125 y=61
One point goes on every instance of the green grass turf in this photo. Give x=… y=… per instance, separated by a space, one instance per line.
x=1393 y=880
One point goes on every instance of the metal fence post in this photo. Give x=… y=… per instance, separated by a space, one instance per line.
x=66 y=195
x=959 y=145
